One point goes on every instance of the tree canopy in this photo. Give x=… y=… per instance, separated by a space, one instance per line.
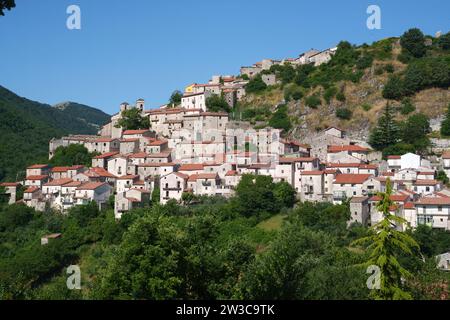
x=132 y=119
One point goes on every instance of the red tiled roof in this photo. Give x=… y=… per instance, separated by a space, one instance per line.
x=32 y=189
x=195 y=177
x=191 y=167
x=60 y=169
x=312 y=173
x=434 y=201
x=131 y=132
x=181 y=175
x=388 y=174
x=58 y=182
x=394 y=157
x=351 y=178
x=106 y=155
x=129 y=140
x=394 y=197
x=9 y=184
x=231 y=173
x=38 y=166
x=91 y=185
x=73 y=184
x=343 y=165
x=156 y=164
x=426 y=182
x=409 y=205
x=102 y=172
x=157 y=142
x=104 y=139
x=138 y=155
x=39 y=177
x=349 y=148
x=446 y=155
x=307 y=159
x=127 y=177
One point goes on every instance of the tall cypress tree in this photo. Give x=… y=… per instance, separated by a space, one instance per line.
x=385 y=245
x=386 y=133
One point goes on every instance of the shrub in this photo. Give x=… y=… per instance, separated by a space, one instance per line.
x=389 y=68
x=280 y=119
x=364 y=62
x=444 y=41
x=340 y=96
x=394 y=88
x=413 y=42
x=329 y=93
x=344 y=114
x=255 y=85
x=313 y=101
x=366 y=106
x=407 y=107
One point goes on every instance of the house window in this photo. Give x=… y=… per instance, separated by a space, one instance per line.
x=439 y=208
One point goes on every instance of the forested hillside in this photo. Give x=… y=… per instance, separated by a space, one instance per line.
x=26 y=128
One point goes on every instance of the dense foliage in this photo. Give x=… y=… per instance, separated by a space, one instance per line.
x=132 y=119
x=252 y=246
x=217 y=103
x=397 y=138
x=26 y=127
x=74 y=154
x=6 y=5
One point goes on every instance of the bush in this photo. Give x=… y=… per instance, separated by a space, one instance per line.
x=407 y=107
x=389 y=68
x=255 y=85
x=344 y=114
x=394 y=88
x=313 y=101
x=329 y=93
x=216 y=103
x=280 y=119
x=366 y=106
x=413 y=42
x=444 y=41
x=340 y=96
x=364 y=62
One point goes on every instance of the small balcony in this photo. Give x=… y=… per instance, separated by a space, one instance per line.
x=339 y=196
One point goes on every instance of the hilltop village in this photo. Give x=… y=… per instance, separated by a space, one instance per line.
x=190 y=150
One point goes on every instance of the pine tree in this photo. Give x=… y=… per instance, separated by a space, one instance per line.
x=445 y=125
x=386 y=133
x=385 y=244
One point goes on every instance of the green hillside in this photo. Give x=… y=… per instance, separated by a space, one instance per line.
x=352 y=89
x=27 y=126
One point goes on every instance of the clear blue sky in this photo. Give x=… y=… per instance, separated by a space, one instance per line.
x=148 y=48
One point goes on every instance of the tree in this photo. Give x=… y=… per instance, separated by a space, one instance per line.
x=413 y=42
x=254 y=195
x=407 y=106
x=385 y=245
x=73 y=154
x=344 y=113
x=284 y=194
x=442 y=176
x=176 y=96
x=4 y=197
x=6 y=5
x=132 y=119
x=156 y=194
x=415 y=131
x=280 y=119
x=445 y=125
x=444 y=41
x=386 y=132
x=313 y=101
x=255 y=85
x=394 y=88
x=217 y=103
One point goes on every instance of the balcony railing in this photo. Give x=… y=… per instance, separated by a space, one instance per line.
x=338 y=196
